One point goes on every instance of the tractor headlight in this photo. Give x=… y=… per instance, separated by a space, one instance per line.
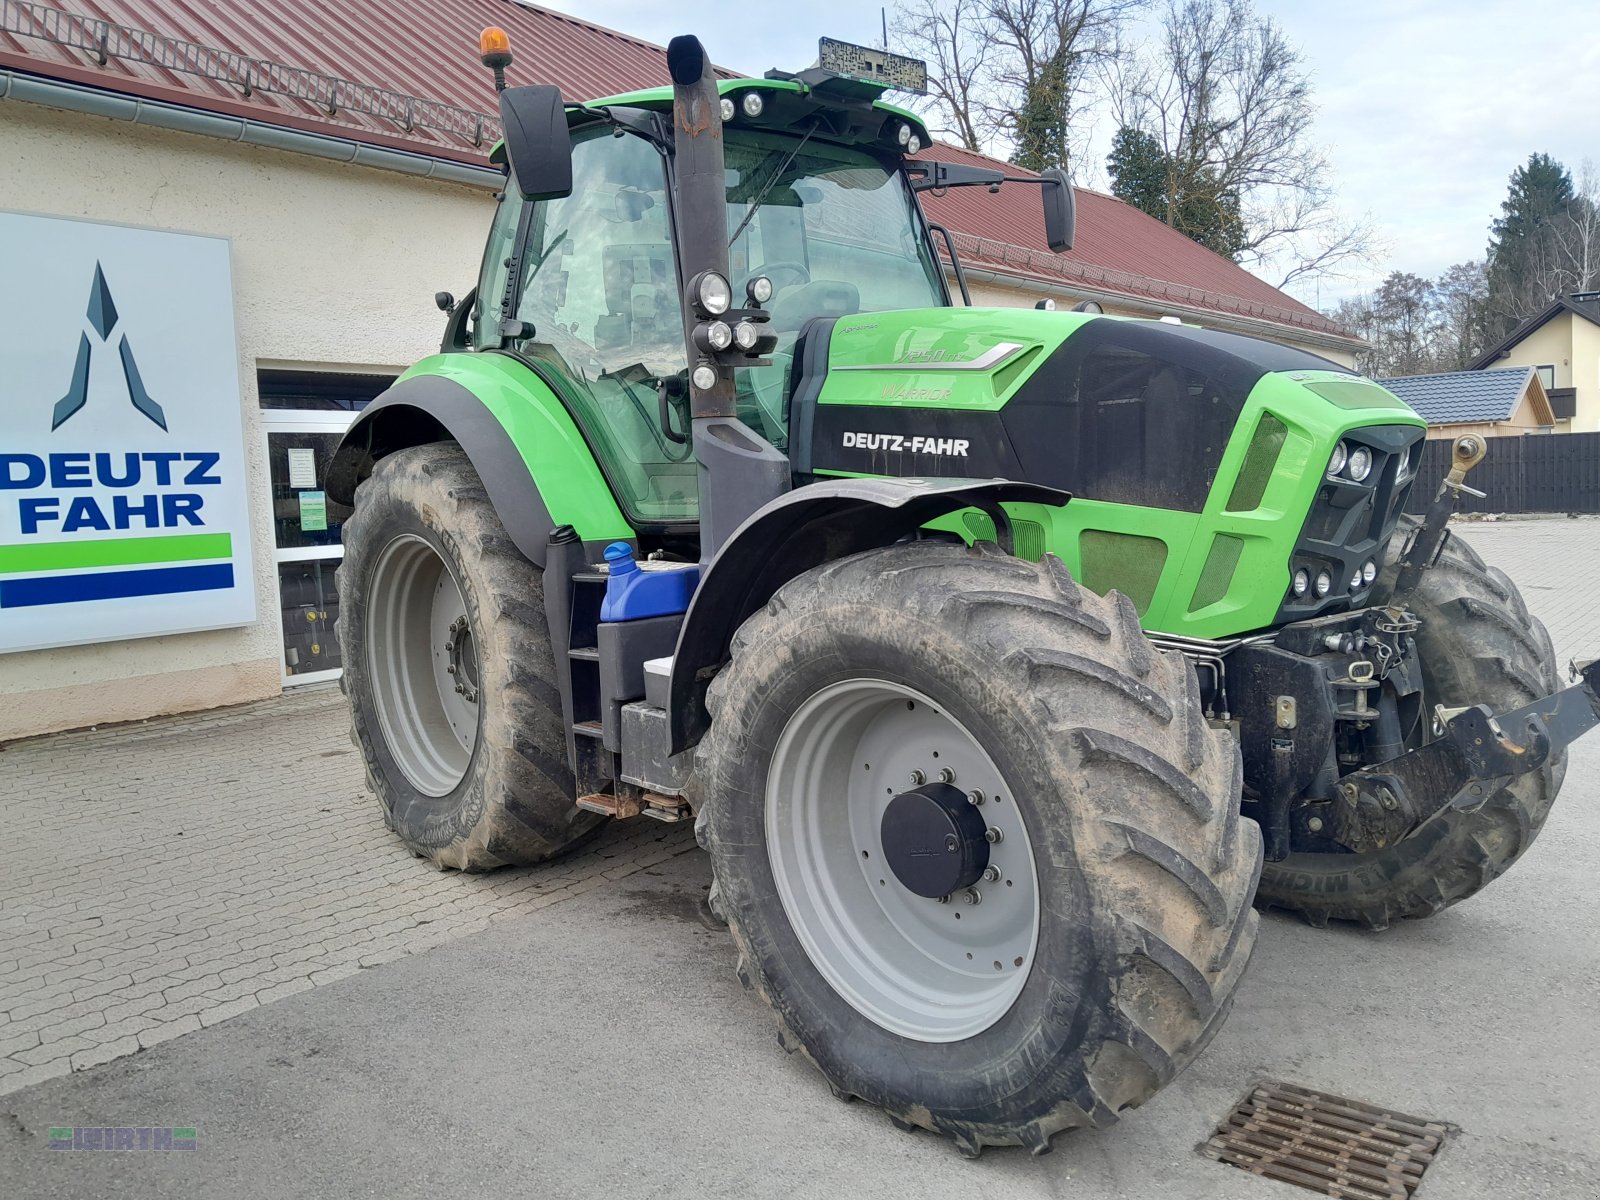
x=718 y=335
x=704 y=377
x=1301 y=583
x=752 y=104
x=1360 y=465
x=913 y=143
x=1341 y=455
x=903 y=134
x=1355 y=581
x=1369 y=571
x=727 y=109
x=711 y=292
x=759 y=290
x=1324 y=584
x=744 y=335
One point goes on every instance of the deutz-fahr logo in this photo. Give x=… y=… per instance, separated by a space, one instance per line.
x=102 y=316
x=899 y=443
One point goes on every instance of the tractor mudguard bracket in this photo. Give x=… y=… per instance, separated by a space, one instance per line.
x=804 y=528
x=1477 y=754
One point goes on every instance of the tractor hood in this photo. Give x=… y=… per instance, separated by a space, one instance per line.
x=1113 y=408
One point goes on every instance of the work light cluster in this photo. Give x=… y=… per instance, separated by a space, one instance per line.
x=752 y=103
x=723 y=329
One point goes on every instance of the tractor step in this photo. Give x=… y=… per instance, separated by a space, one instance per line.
x=620 y=807
x=666 y=808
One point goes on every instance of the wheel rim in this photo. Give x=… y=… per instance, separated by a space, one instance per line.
x=422 y=658
x=928 y=970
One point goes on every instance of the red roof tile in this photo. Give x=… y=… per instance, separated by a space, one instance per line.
x=427 y=49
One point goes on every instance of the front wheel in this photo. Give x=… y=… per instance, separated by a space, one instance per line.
x=449 y=669
x=978 y=848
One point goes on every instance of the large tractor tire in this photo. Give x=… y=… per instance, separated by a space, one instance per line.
x=449 y=669
x=975 y=842
x=1478 y=645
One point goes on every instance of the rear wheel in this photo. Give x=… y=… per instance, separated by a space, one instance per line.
x=1478 y=645
x=449 y=670
x=976 y=844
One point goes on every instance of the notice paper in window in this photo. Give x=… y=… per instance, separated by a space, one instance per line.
x=302 y=468
x=313 y=510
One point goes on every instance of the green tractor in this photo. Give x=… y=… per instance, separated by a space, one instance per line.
x=714 y=507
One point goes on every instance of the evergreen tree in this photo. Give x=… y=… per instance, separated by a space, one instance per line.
x=1521 y=241
x=1192 y=201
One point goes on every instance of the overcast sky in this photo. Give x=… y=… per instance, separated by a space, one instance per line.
x=1425 y=106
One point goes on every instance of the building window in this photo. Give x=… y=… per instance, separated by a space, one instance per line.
x=305 y=414
x=1547 y=376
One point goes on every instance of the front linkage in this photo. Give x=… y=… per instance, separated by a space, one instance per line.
x=1324 y=707
x=1478 y=753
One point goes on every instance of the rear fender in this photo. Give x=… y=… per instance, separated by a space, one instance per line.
x=805 y=528
x=534 y=463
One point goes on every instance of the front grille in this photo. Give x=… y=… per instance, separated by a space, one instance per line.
x=1350 y=523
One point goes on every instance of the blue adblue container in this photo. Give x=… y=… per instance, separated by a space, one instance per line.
x=648 y=589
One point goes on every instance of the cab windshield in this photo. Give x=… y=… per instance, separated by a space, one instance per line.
x=834 y=229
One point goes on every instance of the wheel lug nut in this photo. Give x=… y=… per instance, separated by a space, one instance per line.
x=975 y=797
x=460 y=689
x=944 y=899
x=449 y=646
x=946 y=775
x=918 y=779
x=993 y=836
x=991 y=873
x=450 y=670
x=974 y=896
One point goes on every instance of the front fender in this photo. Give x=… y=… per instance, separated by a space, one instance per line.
x=801 y=529
x=534 y=463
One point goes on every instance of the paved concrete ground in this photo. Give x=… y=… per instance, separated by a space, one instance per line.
x=597 y=1045
x=163 y=877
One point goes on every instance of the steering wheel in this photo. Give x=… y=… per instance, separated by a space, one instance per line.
x=801 y=273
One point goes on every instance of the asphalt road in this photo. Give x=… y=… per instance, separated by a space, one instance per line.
x=602 y=1047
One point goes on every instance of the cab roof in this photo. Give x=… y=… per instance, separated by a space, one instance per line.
x=849 y=107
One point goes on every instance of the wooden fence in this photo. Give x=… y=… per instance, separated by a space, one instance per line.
x=1558 y=473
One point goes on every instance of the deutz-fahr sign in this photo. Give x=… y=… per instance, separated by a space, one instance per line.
x=123 y=507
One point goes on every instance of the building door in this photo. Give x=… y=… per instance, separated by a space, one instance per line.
x=304 y=416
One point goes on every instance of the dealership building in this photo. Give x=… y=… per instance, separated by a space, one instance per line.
x=222 y=226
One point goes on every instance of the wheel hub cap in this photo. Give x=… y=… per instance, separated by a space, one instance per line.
x=933 y=840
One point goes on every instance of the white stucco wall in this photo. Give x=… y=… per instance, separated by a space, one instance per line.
x=333 y=266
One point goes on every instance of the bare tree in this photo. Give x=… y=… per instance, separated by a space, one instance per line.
x=952 y=36
x=1048 y=56
x=1228 y=98
x=1415 y=326
x=1017 y=75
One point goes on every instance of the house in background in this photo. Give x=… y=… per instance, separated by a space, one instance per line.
x=1501 y=402
x=1562 y=344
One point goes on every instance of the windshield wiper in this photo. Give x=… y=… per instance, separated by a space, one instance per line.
x=771 y=180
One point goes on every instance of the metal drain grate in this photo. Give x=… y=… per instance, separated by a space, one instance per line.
x=1326 y=1144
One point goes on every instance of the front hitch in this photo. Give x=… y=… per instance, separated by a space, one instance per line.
x=1477 y=754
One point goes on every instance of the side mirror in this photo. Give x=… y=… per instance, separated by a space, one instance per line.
x=538 y=145
x=1060 y=209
